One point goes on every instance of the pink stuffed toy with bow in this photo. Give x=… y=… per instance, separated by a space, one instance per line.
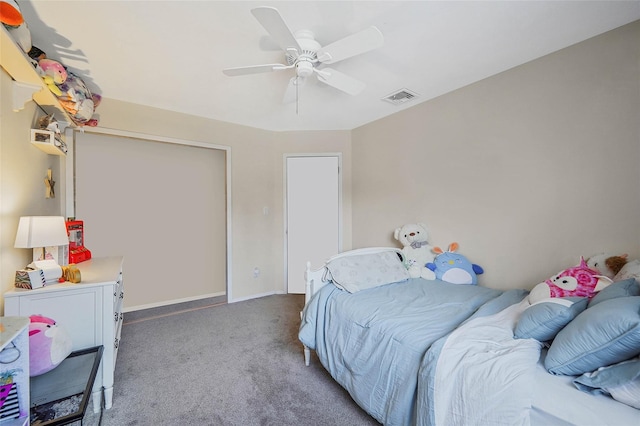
x=577 y=281
x=49 y=345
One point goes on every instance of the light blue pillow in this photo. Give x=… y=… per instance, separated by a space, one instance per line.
x=544 y=319
x=624 y=288
x=602 y=335
x=621 y=381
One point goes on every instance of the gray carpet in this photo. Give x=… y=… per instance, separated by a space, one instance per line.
x=226 y=364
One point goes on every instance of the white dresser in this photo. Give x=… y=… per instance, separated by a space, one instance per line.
x=90 y=311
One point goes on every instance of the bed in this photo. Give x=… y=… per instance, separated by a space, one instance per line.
x=426 y=352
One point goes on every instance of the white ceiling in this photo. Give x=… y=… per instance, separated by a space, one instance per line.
x=170 y=54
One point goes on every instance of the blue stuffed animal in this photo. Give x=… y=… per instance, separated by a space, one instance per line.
x=454 y=268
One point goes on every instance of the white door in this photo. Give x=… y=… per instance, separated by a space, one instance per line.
x=313 y=215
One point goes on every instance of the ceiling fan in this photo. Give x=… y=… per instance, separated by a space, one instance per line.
x=304 y=54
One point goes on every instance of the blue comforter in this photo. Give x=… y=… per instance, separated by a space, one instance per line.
x=373 y=342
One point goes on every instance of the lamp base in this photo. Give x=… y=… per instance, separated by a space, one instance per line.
x=58 y=253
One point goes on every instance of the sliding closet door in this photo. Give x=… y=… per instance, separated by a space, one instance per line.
x=162 y=206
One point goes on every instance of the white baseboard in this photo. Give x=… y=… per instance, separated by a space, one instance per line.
x=204 y=296
x=172 y=302
x=255 y=296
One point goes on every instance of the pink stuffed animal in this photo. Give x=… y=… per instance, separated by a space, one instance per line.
x=578 y=281
x=53 y=74
x=49 y=345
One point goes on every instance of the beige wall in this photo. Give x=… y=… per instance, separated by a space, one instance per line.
x=256 y=182
x=527 y=170
x=256 y=179
x=179 y=199
x=23 y=168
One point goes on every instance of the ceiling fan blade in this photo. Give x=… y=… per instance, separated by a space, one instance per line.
x=254 y=69
x=355 y=44
x=340 y=81
x=272 y=21
x=291 y=93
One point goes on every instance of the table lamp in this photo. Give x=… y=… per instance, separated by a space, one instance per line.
x=41 y=233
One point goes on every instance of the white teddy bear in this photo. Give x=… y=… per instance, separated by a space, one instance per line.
x=416 y=249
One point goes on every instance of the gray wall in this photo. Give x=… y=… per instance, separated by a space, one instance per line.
x=527 y=170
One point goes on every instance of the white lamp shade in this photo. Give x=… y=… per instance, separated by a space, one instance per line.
x=41 y=231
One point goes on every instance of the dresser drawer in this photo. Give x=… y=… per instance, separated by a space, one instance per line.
x=90 y=311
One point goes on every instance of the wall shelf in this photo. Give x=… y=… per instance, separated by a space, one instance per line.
x=47 y=142
x=18 y=65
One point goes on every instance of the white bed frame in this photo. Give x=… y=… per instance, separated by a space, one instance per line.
x=316 y=279
x=600 y=409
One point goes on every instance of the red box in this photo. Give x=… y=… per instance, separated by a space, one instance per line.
x=77 y=251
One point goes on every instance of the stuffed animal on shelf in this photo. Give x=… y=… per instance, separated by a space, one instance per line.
x=11 y=17
x=453 y=267
x=49 y=122
x=49 y=345
x=577 y=281
x=78 y=101
x=73 y=94
x=36 y=54
x=416 y=249
x=53 y=74
x=607 y=264
x=10 y=13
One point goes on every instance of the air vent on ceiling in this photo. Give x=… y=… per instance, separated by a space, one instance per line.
x=401 y=96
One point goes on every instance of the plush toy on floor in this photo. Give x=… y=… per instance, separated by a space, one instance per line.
x=453 y=267
x=577 y=281
x=49 y=345
x=416 y=249
x=607 y=264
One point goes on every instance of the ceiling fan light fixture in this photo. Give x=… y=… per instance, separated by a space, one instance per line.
x=302 y=52
x=400 y=96
x=304 y=68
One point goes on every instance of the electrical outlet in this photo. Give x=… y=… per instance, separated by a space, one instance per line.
x=256 y=272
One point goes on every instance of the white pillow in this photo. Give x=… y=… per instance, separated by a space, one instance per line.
x=631 y=269
x=359 y=272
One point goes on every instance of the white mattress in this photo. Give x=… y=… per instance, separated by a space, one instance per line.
x=558 y=402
